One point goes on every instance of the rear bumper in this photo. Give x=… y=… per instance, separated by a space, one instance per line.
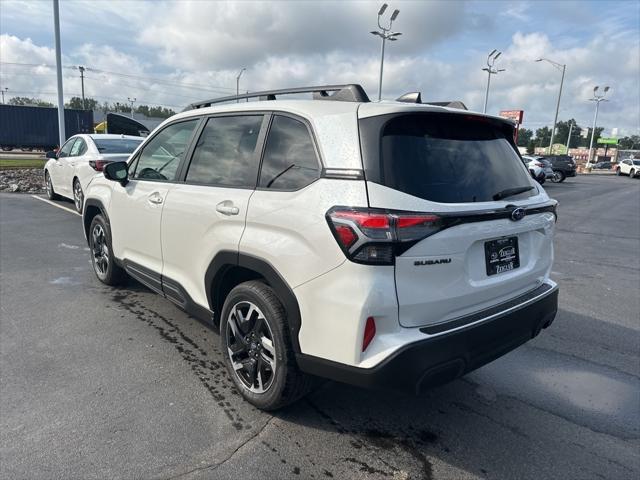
x=446 y=356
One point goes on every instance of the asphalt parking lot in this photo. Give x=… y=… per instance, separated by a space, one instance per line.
x=104 y=383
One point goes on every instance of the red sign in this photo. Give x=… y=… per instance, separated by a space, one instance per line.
x=515 y=115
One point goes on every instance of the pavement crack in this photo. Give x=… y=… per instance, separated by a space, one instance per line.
x=214 y=466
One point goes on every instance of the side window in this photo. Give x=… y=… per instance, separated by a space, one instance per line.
x=66 y=148
x=290 y=160
x=160 y=158
x=225 y=152
x=78 y=148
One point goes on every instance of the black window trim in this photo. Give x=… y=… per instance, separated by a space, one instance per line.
x=258 y=152
x=319 y=161
x=190 y=145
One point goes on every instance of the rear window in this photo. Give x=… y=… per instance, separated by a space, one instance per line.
x=116 y=145
x=448 y=158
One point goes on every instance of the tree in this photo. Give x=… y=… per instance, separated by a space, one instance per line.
x=629 y=143
x=524 y=137
x=543 y=137
x=531 y=147
x=76 y=103
x=29 y=101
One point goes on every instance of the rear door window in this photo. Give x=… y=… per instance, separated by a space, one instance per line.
x=447 y=158
x=290 y=161
x=225 y=153
x=66 y=148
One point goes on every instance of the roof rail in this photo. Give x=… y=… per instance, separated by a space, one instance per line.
x=343 y=93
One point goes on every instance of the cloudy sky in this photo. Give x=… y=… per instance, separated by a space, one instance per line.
x=174 y=52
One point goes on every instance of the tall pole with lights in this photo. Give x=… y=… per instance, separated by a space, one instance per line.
x=56 y=29
x=3 y=90
x=81 y=68
x=238 y=84
x=562 y=68
x=386 y=34
x=596 y=98
x=491 y=70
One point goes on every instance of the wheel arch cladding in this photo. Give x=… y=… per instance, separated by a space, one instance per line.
x=228 y=269
x=92 y=208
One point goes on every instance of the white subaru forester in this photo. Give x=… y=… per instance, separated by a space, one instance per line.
x=391 y=244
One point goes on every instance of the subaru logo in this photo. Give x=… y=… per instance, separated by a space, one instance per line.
x=518 y=214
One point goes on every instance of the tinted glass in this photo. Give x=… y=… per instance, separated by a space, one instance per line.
x=161 y=157
x=66 y=148
x=225 y=152
x=290 y=160
x=78 y=148
x=636 y=162
x=450 y=158
x=116 y=145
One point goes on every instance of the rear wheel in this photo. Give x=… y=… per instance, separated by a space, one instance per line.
x=78 y=195
x=257 y=347
x=102 y=257
x=561 y=176
x=51 y=194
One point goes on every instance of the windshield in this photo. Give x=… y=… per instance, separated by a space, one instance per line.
x=448 y=158
x=636 y=162
x=116 y=145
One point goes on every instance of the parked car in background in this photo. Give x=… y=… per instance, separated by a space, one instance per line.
x=602 y=166
x=69 y=169
x=629 y=167
x=259 y=217
x=536 y=168
x=563 y=165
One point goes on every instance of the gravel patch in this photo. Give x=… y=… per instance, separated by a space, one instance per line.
x=23 y=180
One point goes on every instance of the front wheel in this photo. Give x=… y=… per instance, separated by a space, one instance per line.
x=51 y=194
x=561 y=176
x=78 y=195
x=632 y=174
x=257 y=349
x=102 y=257
x=618 y=171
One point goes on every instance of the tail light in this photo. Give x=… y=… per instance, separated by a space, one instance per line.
x=376 y=237
x=98 y=165
x=541 y=165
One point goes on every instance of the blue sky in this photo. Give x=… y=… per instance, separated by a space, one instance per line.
x=192 y=50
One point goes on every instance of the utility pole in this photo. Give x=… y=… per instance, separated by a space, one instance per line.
x=596 y=98
x=132 y=101
x=238 y=84
x=3 y=90
x=563 y=68
x=491 y=60
x=84 y=107
x=385 y=34
x=56 y=28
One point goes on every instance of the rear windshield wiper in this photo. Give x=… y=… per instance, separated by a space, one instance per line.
x=510 y=192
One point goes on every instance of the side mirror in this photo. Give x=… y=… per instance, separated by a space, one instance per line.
x=51 y=154
x=117 y=172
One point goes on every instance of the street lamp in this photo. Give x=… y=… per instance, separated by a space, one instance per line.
x=596 y=98
x=3 y=90
x=491 y=60
x=385 y=34
x=132 y=101
x=555 y=120
x=238 y=84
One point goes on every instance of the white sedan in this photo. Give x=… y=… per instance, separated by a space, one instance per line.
x=68 y=172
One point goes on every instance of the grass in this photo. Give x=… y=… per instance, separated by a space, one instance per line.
x=14 y=163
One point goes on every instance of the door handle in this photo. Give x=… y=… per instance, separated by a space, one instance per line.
x=227 y=208
x=155 y=198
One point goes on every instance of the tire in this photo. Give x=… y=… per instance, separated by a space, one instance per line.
x=632 y=173
x=618 y=171
x=78 y=195
x=562 y=176
x=51 y=194
x=254 y=337
x=102 y=258
x=541 y=180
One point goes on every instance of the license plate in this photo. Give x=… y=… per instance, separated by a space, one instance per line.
x=501 y=255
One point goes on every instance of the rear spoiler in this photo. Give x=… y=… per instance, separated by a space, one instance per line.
x=416 y=97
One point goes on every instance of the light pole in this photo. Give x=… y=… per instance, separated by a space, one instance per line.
x=563 y=68
x=62 y=137
x=596 y=98
x=132 y=101
x=569 y=137
x=3 y=90
x=238 y=84
x=491 y=60
x=385 y=34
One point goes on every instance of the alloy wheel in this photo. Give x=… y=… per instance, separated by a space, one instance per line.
x=100 y=250
x=78 y=196
x=49 y=187
x=250 y=347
